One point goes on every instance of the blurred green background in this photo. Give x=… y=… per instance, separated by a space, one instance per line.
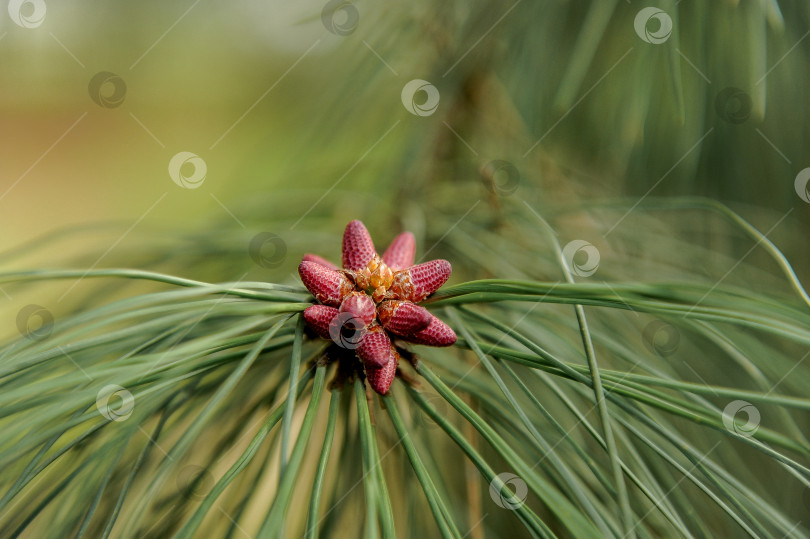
x=297 y=111
x=307 y=120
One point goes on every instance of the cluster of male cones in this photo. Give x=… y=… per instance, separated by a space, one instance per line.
x=372 y=302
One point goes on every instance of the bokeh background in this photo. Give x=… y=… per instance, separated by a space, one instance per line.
x=274 y=102
x=295 y=113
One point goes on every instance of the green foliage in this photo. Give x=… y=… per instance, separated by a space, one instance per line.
x=211 y=429
x=664 y=394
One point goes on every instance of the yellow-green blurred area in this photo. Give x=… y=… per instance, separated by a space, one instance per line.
x=190 y=72
x=287 y=113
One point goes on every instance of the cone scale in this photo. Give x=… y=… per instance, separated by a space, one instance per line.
x=379 y=294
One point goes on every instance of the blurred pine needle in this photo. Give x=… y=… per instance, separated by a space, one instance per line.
x=663 y=394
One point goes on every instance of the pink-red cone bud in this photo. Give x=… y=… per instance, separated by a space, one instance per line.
x=403 y=317
x=418 y=282
x=371 y=288
x=381 y=378
x=360 y=305
x=319 y=317
x=327 y=285
x=436 y=334
x=428 y=277
x=400 y=253
x=358 y=249
x=319 y=260
x=375 y=347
